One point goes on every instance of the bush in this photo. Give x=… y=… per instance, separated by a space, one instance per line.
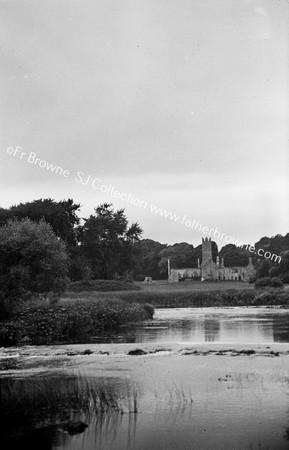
x=276 y=282
x=262 y=282
x=252 y=280
x=268 y=282
x=149 y=309
x=139 y=277
x=79 y=269
x=265 y=298
x=33 y=260
x=285 y=278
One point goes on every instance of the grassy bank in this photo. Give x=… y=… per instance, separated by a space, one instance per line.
x=219 y=298
x=40 y=323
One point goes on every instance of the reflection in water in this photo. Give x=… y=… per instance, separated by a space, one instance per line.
x=232 y=407
x=220 y=325
x=43 y=438
x=211 y=330
x=51 y=409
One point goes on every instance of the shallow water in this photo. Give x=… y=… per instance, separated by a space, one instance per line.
x=220 y=325
x=186 y=400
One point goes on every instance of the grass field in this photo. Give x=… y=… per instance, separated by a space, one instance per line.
x=190 y=286
x=161 y=294
x=162 y=286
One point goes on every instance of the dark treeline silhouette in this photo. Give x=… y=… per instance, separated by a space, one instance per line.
x=106 y=246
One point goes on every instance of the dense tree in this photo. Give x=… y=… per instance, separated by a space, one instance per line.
x=234 y=256
x=177 y=254
x=281 y=269
x=33 y=260
x=263 y=269
x=62 y=216
x=108 y=242
x=147 y=258
x=275 y=244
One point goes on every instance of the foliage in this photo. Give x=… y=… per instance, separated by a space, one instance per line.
x=62 y=216
x=57 y=403
x=148 y=258
x=40 y=323
x=180 y=256
x=216 y=298
x=234 y=256
x=33 y=260
x=105 y=246
x=149 y=309
x=276 y=282
x=108 y=242
x=275 y=244
x=79 y=268
x=281 y=269
x=285 y=277
x=268 y=282
x=139 y=277
x=101 y=285
x=263 y=269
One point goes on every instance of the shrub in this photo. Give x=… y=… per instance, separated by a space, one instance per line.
x=276 y=282
x=268 y=282
x=285 y=277
x=33 y=260
x=265 y=298
x=262 y=282
x=139 y=277
x=79 y=268
x=252 y=280
x=149 y=309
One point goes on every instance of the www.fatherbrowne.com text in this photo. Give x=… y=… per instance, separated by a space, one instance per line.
x=97 y=184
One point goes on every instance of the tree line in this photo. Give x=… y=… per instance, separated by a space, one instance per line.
x=102 y=246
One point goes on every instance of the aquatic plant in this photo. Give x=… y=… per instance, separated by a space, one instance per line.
x=45 y=401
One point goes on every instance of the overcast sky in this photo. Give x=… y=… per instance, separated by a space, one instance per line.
x=182 y=103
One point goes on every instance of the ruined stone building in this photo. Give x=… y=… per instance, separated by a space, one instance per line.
x=210 y=270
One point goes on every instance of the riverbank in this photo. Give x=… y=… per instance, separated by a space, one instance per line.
x=170 y=297
x=72 y=320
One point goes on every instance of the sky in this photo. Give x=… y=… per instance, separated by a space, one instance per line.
x=182 y=105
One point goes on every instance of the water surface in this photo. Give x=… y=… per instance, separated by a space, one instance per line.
x=201 y=325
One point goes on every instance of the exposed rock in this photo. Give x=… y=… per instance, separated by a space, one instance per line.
x=87 y=352
x=137 y=351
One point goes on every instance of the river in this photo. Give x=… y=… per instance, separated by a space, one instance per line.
x=204 y=378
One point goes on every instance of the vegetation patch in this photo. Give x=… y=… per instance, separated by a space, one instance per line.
x=102 y=286
x=59 y=402
x=43 y=323
x=230 y=297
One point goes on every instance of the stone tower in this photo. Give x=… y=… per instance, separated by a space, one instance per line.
x=206 y=249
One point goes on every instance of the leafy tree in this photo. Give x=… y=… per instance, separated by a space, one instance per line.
x=108 y=242
x=62 y=216
x=147 y=258
x=33 y=260
x=275 y=245
x=268 y=282
x=263 y=269
x=234 y=256
x=281 y=269
x=180 y=256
